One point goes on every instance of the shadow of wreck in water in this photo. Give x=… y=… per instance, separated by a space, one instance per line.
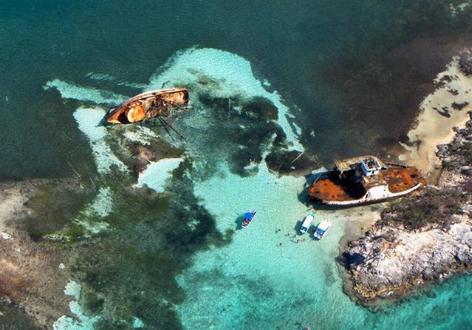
x=239 y=222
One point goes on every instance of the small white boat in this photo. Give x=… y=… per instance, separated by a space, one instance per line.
x=321 y=229
x=307 y=222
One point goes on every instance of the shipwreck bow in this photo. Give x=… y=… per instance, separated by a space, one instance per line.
x=158 y=103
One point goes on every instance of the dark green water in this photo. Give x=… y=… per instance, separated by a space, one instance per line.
x=351 y=67
x=357 y=71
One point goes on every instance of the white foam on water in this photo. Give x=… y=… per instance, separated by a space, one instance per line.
x=156 y=174
x=80 y=93
x=233 y=75
x=80 y=320
x=89 y=121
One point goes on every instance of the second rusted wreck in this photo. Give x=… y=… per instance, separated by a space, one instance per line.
x=148 y=105
x=363 y=180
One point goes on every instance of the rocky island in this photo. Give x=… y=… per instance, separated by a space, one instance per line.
x=421 y=239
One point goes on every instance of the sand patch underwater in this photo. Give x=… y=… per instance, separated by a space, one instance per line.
x=434 y=128
x=268 y=275
x=156 y=174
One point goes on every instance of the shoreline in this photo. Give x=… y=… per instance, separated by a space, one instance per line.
x=447 y=107
x=146 y=154
x=368 y=262
x=420 y=240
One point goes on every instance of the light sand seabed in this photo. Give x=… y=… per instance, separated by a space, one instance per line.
x=80 y=93
x=268 y=276
x=432 y=128
x=267 y=269
x=100 y=207
x=80 y=321
x=157 y=173
x=222 y=74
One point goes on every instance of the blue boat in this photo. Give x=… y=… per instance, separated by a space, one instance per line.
x=248 y=217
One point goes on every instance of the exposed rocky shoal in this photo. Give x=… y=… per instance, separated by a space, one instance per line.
x=421 y=239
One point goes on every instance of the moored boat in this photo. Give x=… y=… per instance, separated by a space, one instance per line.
x=307 y=222
x=321 y=229
x=363 y=180
x=148 y=105
x=248 y=217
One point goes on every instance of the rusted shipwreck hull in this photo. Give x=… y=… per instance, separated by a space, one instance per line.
x=364 y=180
x=148 y=105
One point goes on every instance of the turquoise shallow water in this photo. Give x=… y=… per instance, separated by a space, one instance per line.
x=267 y=276
x=333 y=70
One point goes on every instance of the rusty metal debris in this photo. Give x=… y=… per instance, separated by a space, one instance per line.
x=148 y=105
x=364 y=180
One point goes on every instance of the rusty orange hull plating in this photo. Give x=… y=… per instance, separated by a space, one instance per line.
x=148 y=105
x=398 y=181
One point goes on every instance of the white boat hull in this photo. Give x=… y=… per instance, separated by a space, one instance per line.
x=367 y=198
